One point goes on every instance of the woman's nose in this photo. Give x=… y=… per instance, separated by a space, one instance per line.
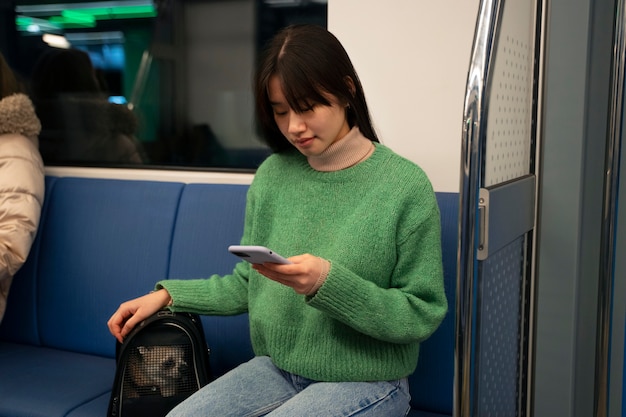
x=296 y=123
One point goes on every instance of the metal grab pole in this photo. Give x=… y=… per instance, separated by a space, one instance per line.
x=473 y=136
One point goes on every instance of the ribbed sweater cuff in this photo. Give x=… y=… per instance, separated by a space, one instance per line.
x=325 y=268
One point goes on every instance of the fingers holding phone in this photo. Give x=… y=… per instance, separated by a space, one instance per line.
x=257 y=254
x=305 y=274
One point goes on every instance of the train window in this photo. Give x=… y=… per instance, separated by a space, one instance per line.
x=146 y=83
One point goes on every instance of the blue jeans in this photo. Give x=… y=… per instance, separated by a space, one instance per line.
x=258 y=388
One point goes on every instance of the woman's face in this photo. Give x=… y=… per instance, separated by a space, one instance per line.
x=313 y=130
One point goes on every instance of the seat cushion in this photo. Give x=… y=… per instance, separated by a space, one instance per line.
x=48 y=382
x=94 y=408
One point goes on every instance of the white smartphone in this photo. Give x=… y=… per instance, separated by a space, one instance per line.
x=257 y=254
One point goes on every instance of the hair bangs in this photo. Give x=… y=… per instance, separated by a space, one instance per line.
x=300 y=91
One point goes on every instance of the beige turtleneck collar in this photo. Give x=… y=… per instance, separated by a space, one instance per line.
x=346 y=152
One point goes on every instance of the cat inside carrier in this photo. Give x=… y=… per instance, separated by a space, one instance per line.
x=162 y=361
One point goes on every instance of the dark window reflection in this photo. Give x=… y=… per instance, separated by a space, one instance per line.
x=79 y=122
x=164 y=83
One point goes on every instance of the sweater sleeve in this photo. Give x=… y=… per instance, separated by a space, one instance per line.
x=412 y=307
x=216 y=295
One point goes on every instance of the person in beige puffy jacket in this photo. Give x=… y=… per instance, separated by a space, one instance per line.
x=21 y=178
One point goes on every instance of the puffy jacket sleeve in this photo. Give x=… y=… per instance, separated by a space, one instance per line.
x=21 y=199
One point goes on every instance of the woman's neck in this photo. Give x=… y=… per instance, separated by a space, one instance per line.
x=346 y=152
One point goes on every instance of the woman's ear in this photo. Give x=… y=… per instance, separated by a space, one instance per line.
x=350 y=82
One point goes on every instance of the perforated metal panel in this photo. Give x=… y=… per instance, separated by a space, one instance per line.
x=508 y=144
x=498 y=337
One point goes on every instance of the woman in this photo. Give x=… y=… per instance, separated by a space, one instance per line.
x=337 y=331
x=21 y=178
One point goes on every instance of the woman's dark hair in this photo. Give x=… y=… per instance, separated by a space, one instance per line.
x=310 y=63
x=64 y=71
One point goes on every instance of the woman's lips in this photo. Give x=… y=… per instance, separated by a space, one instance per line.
x=304 y=142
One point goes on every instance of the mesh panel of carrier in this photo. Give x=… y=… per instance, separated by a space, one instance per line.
x=159 y=370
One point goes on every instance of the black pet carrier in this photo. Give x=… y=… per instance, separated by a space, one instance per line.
x=162 y=361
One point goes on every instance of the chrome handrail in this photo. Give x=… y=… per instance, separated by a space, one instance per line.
x=140 y=80
x=609 y=217
x=471 y=171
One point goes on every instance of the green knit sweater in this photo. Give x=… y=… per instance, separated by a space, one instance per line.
x=378 y=224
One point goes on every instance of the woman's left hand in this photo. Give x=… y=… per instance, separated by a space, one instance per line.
x=305 y=274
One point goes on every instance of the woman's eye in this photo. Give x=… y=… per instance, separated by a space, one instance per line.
x=279 y=113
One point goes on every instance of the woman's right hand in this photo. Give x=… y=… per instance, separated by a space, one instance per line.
x=132 y=312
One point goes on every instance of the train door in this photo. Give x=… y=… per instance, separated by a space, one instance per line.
x=541 y=297
x=497 y=215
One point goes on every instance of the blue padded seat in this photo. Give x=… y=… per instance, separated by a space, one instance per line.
x=44 y=382
x=101 y=242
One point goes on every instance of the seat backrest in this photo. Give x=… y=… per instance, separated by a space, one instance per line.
x=20 y=323
x=104 y=241
x=210 y=219
x=431 y=384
